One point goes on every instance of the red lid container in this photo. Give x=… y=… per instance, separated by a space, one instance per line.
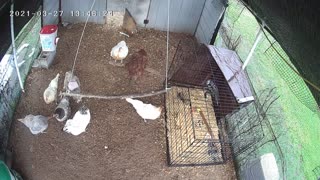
x=48 y=29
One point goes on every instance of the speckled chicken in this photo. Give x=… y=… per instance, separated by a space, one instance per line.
x=137 y=64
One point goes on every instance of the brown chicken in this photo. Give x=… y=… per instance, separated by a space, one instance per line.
x=137 y=64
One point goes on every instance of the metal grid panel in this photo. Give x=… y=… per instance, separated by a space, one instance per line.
x=194 y=137
x=193 y=66
x=196 y=132
x=190 y=66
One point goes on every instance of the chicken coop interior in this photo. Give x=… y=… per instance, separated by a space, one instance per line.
x=129 y=49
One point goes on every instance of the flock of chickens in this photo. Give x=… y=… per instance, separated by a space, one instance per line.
x=38 y=124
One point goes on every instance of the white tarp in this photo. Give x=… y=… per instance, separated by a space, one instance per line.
x=231 y=67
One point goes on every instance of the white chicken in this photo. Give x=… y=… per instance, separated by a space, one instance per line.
x=79 y=122
x=120 y=51
x=36 y=124
x=50 y=94
x=146 y=111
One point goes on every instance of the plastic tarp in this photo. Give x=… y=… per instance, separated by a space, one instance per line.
x=231 y=67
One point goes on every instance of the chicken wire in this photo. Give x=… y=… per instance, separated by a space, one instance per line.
x=232 y=36
x=196 y=109
x=292 y=79
x=194 y=66
x=316 y=172
x=245 y=128
x=190 y=66
x=266 y=67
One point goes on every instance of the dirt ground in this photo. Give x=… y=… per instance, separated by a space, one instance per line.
x=117 y=143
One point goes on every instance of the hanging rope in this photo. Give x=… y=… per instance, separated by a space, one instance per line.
x=168 y=36
x=85 y=25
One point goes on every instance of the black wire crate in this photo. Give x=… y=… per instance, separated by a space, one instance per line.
x=191 y=65
x=197 y=104
x=194 y=135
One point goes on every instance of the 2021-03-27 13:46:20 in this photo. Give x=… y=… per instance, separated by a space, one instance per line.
x=60 y=13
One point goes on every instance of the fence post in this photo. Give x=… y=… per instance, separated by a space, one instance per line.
x=258 y=38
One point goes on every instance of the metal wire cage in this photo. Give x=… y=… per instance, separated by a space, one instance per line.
x=194 y=136
x=196 y=128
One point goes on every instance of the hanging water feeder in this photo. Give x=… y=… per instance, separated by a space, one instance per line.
x=63 y=110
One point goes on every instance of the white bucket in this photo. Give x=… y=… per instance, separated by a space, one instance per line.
x=48 y=37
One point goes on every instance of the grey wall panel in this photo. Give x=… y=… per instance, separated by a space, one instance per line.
x=83 y=6
x=184 y=15
x=118 y=5
x=51 y=7
x=137 y=8
x=211 y=14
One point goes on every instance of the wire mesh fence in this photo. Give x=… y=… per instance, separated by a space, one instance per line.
x=196 y=106
x=190 y=66
x=244 y=129
x=316 y=172
x=290 y=124
x=292 y=79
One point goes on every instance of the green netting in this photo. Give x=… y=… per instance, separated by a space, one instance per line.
x=295 y=24
x=293 y=118
x=292 y=79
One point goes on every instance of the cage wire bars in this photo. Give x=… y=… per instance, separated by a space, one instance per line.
x=196 y=105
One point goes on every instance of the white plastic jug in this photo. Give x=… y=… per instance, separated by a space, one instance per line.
x=48 y=37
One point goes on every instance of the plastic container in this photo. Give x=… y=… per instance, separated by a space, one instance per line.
x=8 y=174
x=48 y=37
